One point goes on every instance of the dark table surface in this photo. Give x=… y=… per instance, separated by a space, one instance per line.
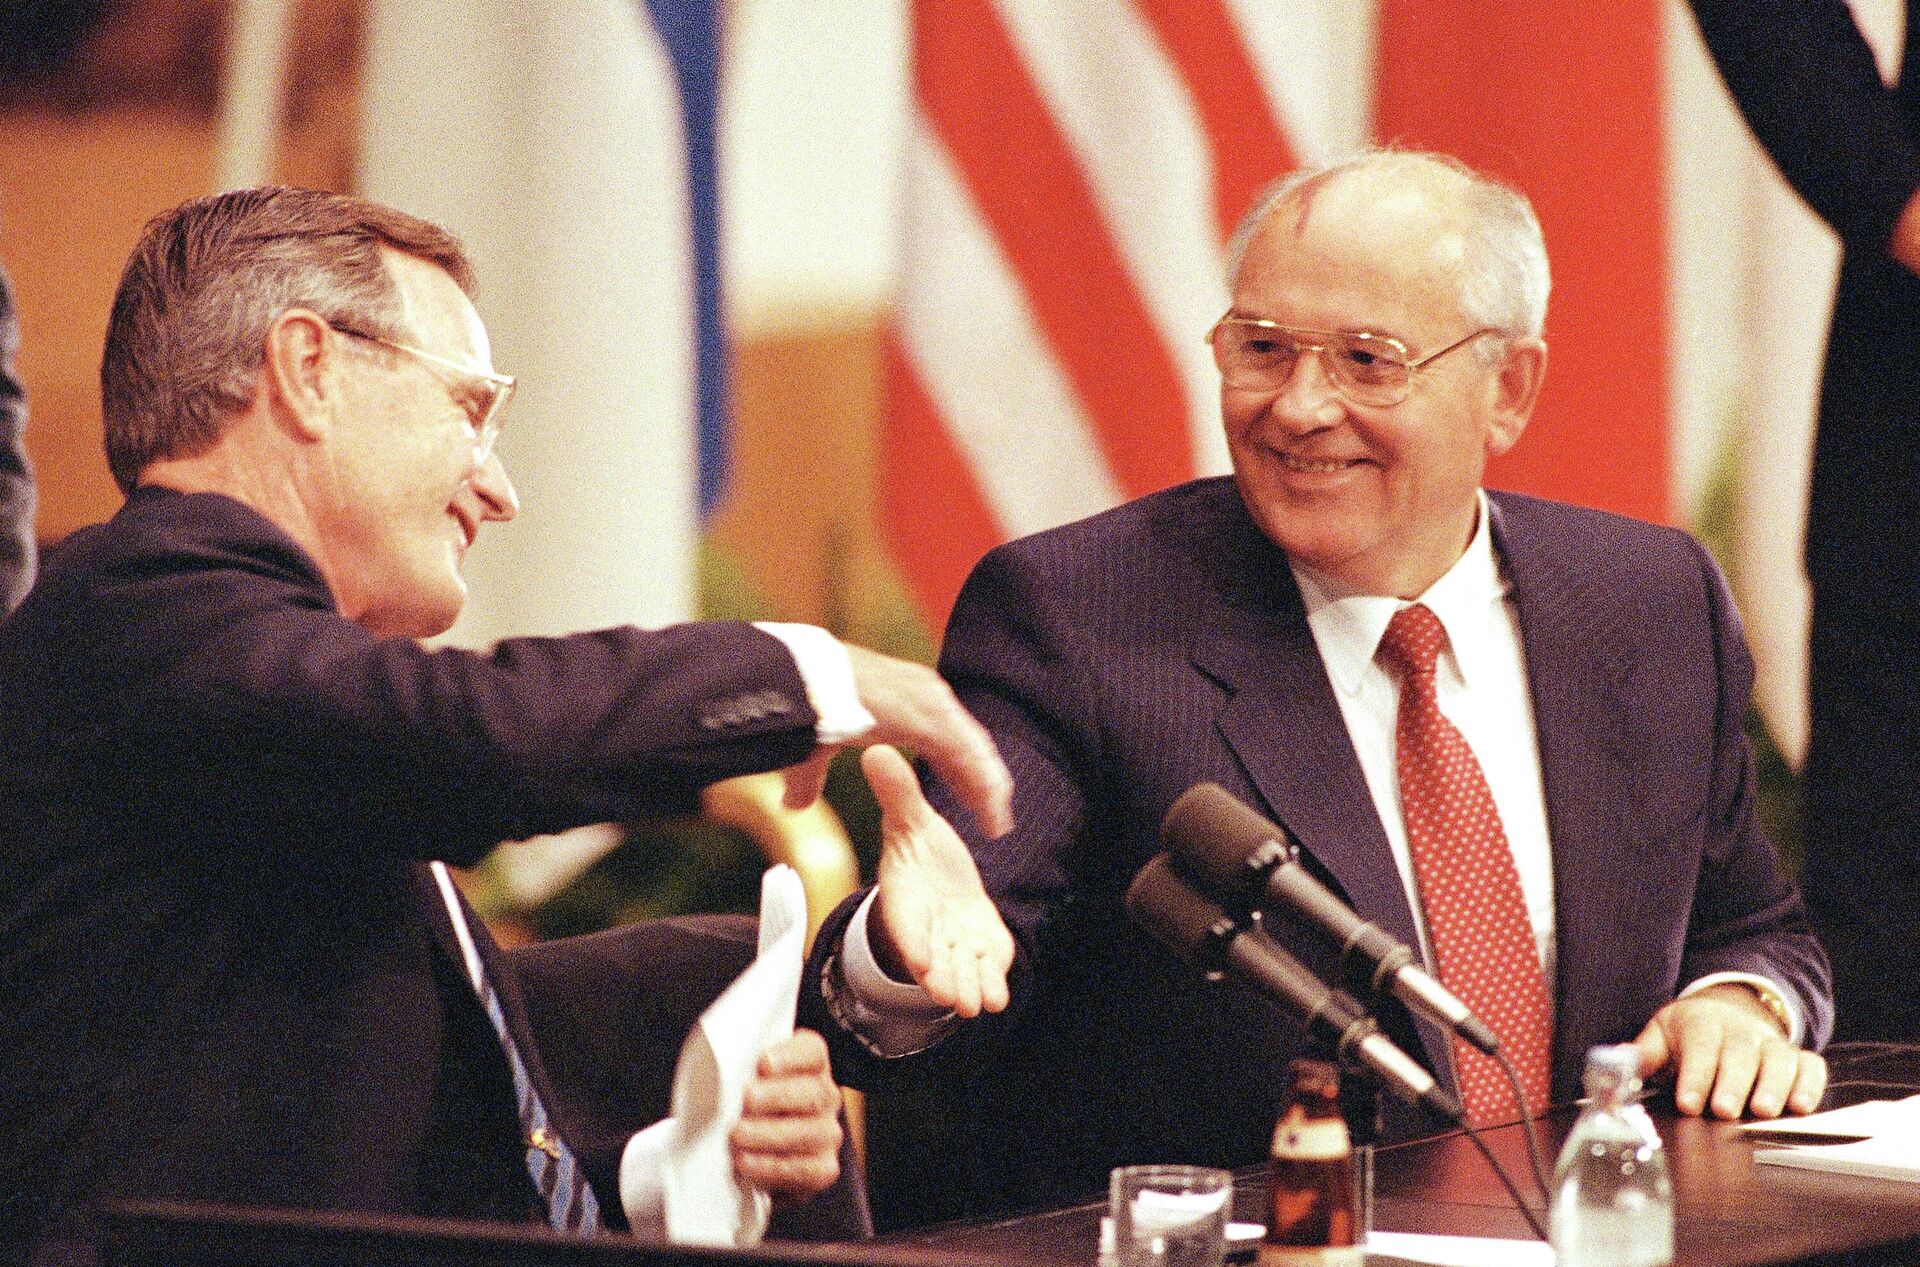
x=1730 y=1210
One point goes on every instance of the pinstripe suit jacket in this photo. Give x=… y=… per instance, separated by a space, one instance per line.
x=1124 y=658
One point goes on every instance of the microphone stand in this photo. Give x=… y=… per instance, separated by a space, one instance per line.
x=1360 y=1103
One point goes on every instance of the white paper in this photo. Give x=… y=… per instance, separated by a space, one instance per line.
x=1871 y=1118
x=1418 y=1247
x=704 y=1203
x=1461 y=1251
x=1885 y=1157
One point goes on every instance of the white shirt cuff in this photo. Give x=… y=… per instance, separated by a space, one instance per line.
x=1782 y=1001
x=891 y=1018
x=643 y=1192
x=828 y=675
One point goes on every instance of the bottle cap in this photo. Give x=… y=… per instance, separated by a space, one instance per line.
x=1617 y=1065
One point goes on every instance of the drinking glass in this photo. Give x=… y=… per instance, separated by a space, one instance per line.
x=1170 y=1216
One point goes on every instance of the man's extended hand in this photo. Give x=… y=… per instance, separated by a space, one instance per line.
x=787 y=1141
x=932 y=910
x=1729 y=1056
x=913 y=706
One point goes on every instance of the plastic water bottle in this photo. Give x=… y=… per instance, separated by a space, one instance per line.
x=1612 y=1198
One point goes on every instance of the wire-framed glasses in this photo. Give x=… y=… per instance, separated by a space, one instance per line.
x=481 y=394
x=1369 y=369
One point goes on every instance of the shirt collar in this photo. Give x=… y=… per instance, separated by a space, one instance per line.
x=1347 y=624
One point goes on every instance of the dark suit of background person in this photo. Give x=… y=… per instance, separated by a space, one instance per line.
x=224 y=973
x=1122 y=659
x=1807 y=83
x=16 y=479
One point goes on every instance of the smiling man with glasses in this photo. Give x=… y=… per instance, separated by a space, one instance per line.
x=1507 y=731
x=228 y=972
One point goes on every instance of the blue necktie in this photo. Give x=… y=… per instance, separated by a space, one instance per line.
x=571 y=1205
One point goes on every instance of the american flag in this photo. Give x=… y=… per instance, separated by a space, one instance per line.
x=1072 y=174
x=1073 y=170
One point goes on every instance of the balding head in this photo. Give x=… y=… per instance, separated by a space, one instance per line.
x=1484 y=231
x=1378 y=351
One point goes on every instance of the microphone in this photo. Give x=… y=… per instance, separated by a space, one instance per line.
x=1205 y=936
x=1232 y=852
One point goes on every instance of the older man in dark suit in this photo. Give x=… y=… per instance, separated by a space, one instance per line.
x=227 y=972
x=1508 y=731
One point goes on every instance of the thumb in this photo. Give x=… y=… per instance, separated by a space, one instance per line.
x=806 y=781
x=895 y=786
x=1655 y=1052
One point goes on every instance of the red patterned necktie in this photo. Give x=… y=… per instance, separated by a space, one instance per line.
x=1483 y=943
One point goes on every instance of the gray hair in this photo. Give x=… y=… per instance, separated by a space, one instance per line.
x=1506 y=278
x=188 y=332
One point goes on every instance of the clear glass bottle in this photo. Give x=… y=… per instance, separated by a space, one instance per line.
x=1612 y=1198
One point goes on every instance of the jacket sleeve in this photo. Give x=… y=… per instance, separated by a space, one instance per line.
x=226 y=698
x=1747 y=916
x=1805 y=79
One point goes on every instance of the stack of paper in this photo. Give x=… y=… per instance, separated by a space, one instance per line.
x=1879 y=1139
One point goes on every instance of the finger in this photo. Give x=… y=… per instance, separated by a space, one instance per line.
x=910 y=703
x=967 y=760
x=791 y=1096
x=1654 y=1052
x=993 y=981
x=966 y=983
x=903 y=807
x=1695 y=1052
x=800 y=1175
x=806 y=781
x=1735 y=1072
x=1779 y=1068
x=786 y=1136
x=801 y=1052
x=1810 y=1084
x=939 y=981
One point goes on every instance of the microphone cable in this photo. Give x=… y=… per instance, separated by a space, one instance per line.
x=1526 y=1121
x=1506 y=1180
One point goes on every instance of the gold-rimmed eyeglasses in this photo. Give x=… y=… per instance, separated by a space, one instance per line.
x=1375 y=370
x=481 y=394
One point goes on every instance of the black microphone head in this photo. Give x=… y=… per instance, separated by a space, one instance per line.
x=1221 y=844
x=1193 y=928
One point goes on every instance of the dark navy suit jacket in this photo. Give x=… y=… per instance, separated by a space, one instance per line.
x=223 y=973
x=1122 y=659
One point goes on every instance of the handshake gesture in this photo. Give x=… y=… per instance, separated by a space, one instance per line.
x=936 y=925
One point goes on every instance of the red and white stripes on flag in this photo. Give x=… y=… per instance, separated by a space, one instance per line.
x=1072 y=174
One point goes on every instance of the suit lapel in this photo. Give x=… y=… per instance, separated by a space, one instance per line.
x=492 y=961
x=1576 y=662
x=1284 y=726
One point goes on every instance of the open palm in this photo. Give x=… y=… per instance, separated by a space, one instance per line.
x=931 y=903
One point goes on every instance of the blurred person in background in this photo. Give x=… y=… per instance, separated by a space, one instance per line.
x=1850 y=145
